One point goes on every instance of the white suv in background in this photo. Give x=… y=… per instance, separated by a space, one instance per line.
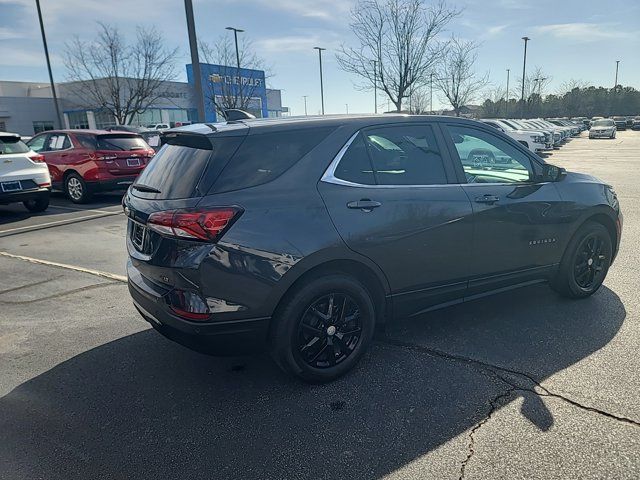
x=533 y=140
x=24 y=176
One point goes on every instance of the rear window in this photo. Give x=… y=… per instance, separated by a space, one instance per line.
x=263 y=157
x=12 y=145
x=121 y=142
x=181 y=171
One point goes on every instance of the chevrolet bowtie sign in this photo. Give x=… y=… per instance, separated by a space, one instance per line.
x=235 y=80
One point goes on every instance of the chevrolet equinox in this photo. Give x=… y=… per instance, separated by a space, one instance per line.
x=305 y=234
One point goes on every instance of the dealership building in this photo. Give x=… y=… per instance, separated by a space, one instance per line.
x=27 y=107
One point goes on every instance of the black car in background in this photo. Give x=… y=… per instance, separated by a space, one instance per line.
x=621 y=123
x=305 y=234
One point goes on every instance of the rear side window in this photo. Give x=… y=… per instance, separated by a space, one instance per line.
x=121 y=142
x=86 y=141
x=12 y=145
x=263 y=157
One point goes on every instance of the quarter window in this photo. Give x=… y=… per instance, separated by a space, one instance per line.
x=486 y=158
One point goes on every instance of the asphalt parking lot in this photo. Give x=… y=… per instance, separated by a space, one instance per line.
x=522 y=385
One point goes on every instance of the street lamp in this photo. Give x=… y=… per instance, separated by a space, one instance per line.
x=431 y=93
x=235 y=36
x=305 y=104
x=506 y=109
x=617 y=64
x=195 y=60
x=320 y=49
x=375 y=86
x=524 y=69
x=347 y=106
x=46 y=54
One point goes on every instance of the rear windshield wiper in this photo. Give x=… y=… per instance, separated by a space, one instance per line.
x=145 y=188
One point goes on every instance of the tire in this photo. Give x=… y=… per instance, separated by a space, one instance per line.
x=585 y=262
x=308 y=343
x=37 y=205
x=76 y=188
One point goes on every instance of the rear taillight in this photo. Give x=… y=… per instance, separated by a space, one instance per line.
x=202 y=224
x=189 y=305
x=37 y=158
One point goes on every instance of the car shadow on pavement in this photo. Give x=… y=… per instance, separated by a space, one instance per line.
x=143 y=407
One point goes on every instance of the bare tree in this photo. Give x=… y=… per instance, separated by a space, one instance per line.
x=535 y=84
x=456 y=78
x=569 y=85
x=122 y=79
x=400 y=36
x=233 y=90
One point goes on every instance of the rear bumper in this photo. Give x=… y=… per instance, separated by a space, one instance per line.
x=230 y=337
x=23 y=195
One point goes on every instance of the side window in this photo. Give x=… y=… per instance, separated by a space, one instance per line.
x=405 y=155
x=354 y=165
x=486 y=158
x=86 y=141
x=37 y=143
x=58 y=142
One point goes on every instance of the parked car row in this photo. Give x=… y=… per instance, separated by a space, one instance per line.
x=537 y=134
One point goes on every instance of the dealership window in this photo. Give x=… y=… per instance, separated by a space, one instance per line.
x=274 y=113
x=254 y=106
x=178 y=115
x=3 y=127
x=78 y=119
x=148 y=117
x=104 y=119
x=42 y=126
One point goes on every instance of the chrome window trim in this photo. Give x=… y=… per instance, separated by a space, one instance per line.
x=329 y=175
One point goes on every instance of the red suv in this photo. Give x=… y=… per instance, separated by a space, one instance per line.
x=82 y=162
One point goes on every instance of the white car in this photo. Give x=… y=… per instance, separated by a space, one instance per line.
x=533 y=140
x=604 y=128
x=24 y=175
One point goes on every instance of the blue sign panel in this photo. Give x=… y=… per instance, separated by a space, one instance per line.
x=228 y=87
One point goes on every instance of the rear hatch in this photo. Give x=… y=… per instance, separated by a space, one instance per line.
x=18 y=165
x=123 y=153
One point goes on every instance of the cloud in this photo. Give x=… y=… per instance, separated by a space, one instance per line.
x=495 y=30
x=11 y=33
x=326 y=9
x=299 y=42
x=584 y=32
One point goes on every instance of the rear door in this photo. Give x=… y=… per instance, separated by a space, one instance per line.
x=392 y=196
x=517 y=218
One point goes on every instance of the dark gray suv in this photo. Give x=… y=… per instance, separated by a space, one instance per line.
x=305 y=234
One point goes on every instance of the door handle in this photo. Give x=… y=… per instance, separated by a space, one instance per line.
x=364 y=204
x=488 y=198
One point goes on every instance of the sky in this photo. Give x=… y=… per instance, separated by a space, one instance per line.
x=570 y=39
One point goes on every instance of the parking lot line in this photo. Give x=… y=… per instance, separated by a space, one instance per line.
x=75 y=209
x=56 y=223
x=111 y=276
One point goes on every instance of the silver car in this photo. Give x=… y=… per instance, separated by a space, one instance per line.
x=603 y=128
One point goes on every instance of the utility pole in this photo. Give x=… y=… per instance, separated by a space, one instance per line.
x=320 y=49
x=195 y=60
x=506 y=109
x=431 y=93
x=305 y=104
x=617 y=65
x=46 y=54
x=375 y=86
x=524 y=70
x=347 y=105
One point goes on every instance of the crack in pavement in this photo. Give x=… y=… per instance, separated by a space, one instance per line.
x=34 y=284
x=515 y=384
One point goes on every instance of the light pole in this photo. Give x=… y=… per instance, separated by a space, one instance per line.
x=235 y=37
x=524 y=70
x=506 y=108
x=195 y=60
x=347 y=106
x=320 y=49
x=305 y=104
x=375 y=86
x=617 y=64
x=46 y=54
x=431 y=93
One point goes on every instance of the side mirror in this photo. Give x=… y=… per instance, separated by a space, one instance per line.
x=551 y=173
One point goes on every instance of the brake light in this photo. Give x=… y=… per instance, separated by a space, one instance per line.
x=37 y=158
x=208 y=225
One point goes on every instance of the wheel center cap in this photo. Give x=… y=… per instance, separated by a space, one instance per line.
x=590 y=262
x=331 y=330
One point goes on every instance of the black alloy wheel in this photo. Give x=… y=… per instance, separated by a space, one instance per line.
x=329 y=330
x=590 y=262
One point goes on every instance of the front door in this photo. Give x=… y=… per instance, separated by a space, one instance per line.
x=517 y=217
x=392 y=197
